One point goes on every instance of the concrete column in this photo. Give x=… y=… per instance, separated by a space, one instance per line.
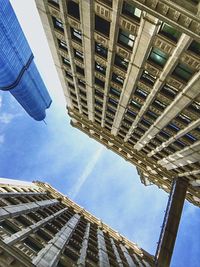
x=171 y=223
x=127 y=256
x=119 y=261
x=83 y=251
x=49 y=255
x=25 y=232
x=23 y=194
x=102 y=251
x=14 y=210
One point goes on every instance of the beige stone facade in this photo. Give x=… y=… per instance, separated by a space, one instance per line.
x=130 y=71
x=41 y=227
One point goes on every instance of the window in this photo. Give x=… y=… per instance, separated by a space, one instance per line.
x=180 y=144
x=173 y=127
x=164 y=134
x=112 y=102
x=80 y=70
x=10 y=228
x=62 y=45
x=117 y=79
x=68 y=75
x=73 y=9
x=158 y=104
x=184 y=119
x=131 y=113
x=183 y=72
x=158 y=57
x=32 y=245
x=99 y=94
x=141 y=93
x=76 y=35
x=195 y=107
x=99 y=82
x=152 y=115
x=135 y=104
x=131 y=11
x=102 y=26
x=190 y=138
x=194 y=47
x=126 y=39
x=78 y=54
x=148 y=78
x=54 y=2
x=66 y=61
x=111 y=111
x=170 y=32
x=100 y=68
x=58 y=24
x=121 y=62
x=101 y=50
x=115 y=92
x=98 y=103
x=81 y=82
x=169 y=91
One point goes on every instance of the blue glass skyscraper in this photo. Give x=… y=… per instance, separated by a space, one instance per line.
x=18 y=72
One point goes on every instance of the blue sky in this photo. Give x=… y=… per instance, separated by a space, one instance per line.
x=79 y=167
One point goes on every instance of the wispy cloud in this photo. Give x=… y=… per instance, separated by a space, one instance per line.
x=86 y=172
x=6 y=117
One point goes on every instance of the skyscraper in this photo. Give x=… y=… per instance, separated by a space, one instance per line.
x=41 y=227
x=130 y=74
x=18 y=72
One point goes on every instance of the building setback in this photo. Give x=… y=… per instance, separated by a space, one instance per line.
x=130 y=74
x=41 y=227
x=18 y=72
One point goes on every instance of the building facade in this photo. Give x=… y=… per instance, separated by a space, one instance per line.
x=130 y=71
x=41 y=227
x=18 y=72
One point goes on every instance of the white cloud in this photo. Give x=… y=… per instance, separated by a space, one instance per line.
x=86 y=172
x=6 y=117
x=0 y=101
x=2 y=138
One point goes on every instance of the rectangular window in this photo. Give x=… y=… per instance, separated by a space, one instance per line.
x=99 y=82
x=58 y=24
x=78 y=54
x=170 y=32
x=101 y=50
x=113 y=102
x=32 y=244
x=62 y=45
x=81 y=82
x=158 y=57
x=117 y=79
x=99 y=93
x=111 y=111
x=102 y=25
x=66 y=61
x=80 y=70
x=115 y=92
x=121 y=62
x=73 y=9
x=68 y=75
x=100 y=68
x=126 y=39
x=54 y=2
x=131 y=11
x=76 y=35
x=169 y=91
x=148 y=78
x=135 y=104
x=158 y=104
x=183 y=72
x=141 y=93
x=194 y=47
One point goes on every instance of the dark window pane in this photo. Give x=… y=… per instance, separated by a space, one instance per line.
x=58 y=24
x=115 y=91
x=158 y=57
x=76 y=35
x=121 y=62
x=131 y=11
x=66 y=61
x=54 y=2
x=169 y=91
x=99 y=82
x=170 y=32
x=73 y=9
x=100 y=68
x=126 y=39
x=194 y=47
x=101 y=50
x=183 y=72
x=78 y=54
x=80 y=70
x=148 y=78
x=117 y=79
x=141 y=93
x=62 y=45
x=102 y=26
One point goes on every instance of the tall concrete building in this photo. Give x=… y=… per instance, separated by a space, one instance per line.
x=41 y=227
x=130 y=71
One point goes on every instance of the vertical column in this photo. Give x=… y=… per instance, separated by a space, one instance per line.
x=102 y=251
x=171 y=222
x=127 y=256
x=83 y=251
x=49 y=255
x=119 y=261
